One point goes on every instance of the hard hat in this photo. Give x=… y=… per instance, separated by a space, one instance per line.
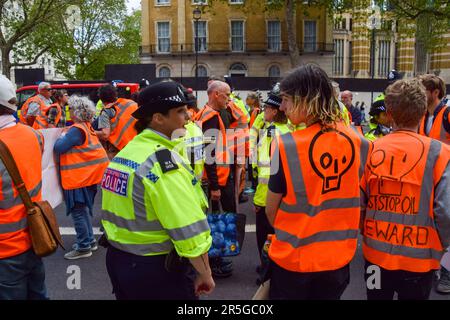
x=7 y=93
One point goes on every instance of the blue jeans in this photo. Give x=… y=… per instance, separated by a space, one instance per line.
x=22 y=278
x=83 y=227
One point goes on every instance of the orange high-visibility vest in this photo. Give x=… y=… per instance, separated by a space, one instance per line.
x=26 y=146
x=317 y=223
x=84 y=165
x=253 y=116
x=400 y=179
x=238 y=142
x=41 y=121
x=221 y=150
x=122 y=124
x=24 y=110
x=438 y=131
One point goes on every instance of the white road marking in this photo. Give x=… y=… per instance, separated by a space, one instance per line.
x=250 y=228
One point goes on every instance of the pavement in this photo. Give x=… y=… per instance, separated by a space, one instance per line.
x=94 y=282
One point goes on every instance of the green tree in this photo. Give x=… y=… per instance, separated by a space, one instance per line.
x=103 y=35
x=23 y=26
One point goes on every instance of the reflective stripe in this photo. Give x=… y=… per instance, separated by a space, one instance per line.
x=263 y=164
x=124 y=129
x=83 y=150
x=189 y=231
x=39 y=138
x=122 y=109
x=398 y=250
x=40 y=123
x=427 y=186
x=7 y=185
x=13 y=227
x=16 y=201
x=301 y=207
x=131 y=225
x=194 y=140
x=404 y=219
x=84 y=164
x=263 y=180
x=143 y=249
x=323 y=236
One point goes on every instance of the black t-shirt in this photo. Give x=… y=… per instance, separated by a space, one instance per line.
x=277 y=181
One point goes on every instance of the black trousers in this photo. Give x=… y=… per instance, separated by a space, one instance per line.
x=263 y=228
x=327 y=285
x=408 y=285
x=227 y=199
x=146 y=278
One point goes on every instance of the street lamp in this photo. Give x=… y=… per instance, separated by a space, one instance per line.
x=197 y=15
x=373 y=23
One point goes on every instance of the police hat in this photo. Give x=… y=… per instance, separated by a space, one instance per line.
x=393 y=76
x=160 y=97
x=273 y=101
x=377 y=108
x=144 y=83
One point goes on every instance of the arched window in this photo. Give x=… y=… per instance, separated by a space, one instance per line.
x=164 y=72
x=274 y=71
x=238 y=70
x=202 y=71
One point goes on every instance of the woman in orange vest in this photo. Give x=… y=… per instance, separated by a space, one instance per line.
x=53 y=116
x=82 y=164
x=313 y=201
x=406 y=194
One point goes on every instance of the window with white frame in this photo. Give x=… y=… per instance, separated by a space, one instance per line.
x=338 y=60
x=274 y=71
x=201 y=2
x=274 y=36
x=202 y=71
x=164 y=72
x=163 y=37
x=162 y=2
x=200 y=36
x=236 y=1
x=384 y=57
x=238 y=70
x=310 y=36
x=237 y=36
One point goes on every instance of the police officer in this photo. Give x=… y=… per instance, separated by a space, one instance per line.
x=379 y=122
x=154 y=208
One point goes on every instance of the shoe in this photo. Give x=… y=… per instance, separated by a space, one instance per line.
x=94 y=246
x=75 y=254
x=249 y=190
x=443 y=285
x=219 y=272
x=243 y=198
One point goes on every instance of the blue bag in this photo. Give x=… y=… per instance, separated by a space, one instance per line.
x=228 y=233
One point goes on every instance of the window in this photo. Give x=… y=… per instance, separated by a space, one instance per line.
x=200 y=36
x=310 y=37
x=384 y=57
x=205 y=2
x=164 y=72
x=237 y=36
x=422 y=58
x=163 y=37
x=274 y=72
x=202 y=71
x=238 y=70
x=236 y=1
x=274 y=36
x=338 y=61
x=162 y=2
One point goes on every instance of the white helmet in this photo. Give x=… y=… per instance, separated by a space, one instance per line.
x=7 y=93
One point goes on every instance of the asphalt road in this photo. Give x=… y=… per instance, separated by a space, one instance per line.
x=95 y=284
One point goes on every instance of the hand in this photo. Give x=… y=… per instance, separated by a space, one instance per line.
x=216 y=195
x=204 y=284
x=255 y=172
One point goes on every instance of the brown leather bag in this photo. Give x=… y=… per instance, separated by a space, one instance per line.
x=42 y=224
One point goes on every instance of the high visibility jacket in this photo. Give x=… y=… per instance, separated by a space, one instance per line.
x=254 y=115
x=41 y=121
x=238 y=141
x=221 y=146
x=346 y=115
x=401 y=187
x=152 y=201
x=83 y=166
x=24 y=110
x=318 y=219
x=194 y=150
x=122 y=124
x=25 y=145
x=241 y=106
x=263 y=165
x=98 y=108
x=376 y=131
x=440 y=129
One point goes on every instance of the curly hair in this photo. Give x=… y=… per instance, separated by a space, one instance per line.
x=83 y=108
x=312 y=89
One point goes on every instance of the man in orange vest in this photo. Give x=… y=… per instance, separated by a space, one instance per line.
x=53 y=116
x=406 y=218
x=35 y=105
x=22 y=273
x=115 y=123
x=217 y=165
x=313 y=201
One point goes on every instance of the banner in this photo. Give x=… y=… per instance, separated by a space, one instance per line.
x=51 y=187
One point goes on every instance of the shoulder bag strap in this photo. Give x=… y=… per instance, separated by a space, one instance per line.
x=11 y=166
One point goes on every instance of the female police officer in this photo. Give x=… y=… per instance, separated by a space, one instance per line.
x=153 y=208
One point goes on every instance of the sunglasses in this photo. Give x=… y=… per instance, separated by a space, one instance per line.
x=47 y=89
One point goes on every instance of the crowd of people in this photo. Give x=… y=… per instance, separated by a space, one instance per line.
x=320 y=179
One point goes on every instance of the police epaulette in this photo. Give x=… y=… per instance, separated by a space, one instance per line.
x=165 y=160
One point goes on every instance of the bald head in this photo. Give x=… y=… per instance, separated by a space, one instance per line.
x=347 y=98
x=218 y=95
